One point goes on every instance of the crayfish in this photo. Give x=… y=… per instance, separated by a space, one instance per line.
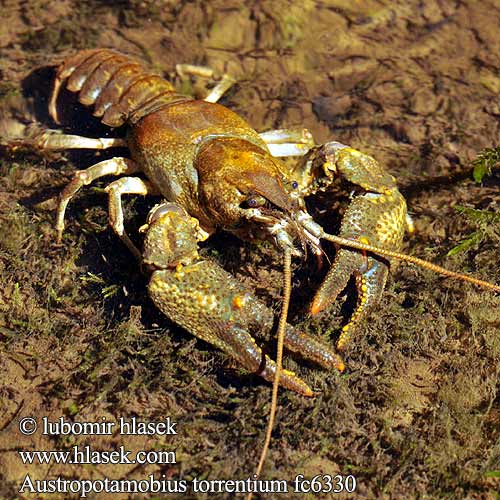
x=215 y=172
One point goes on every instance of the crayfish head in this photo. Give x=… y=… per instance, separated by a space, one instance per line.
x=244 y=190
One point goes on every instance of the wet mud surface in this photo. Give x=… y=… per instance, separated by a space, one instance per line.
x=417 y=412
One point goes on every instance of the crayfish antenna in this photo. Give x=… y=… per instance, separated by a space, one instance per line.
x=287 y=290
x=358 y=245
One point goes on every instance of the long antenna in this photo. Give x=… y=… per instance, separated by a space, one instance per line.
x=287 y=289
x=345 y=242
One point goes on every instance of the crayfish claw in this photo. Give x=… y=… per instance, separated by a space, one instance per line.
x=249 y=354
x=313 y=349
x=370 y=287
x=211 y=304
x=371 y=218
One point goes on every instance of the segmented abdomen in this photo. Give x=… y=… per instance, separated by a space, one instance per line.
x=119 y=87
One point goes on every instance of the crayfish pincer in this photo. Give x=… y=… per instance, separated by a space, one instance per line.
x=215 y=172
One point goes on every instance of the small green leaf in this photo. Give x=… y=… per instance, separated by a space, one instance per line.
x=110 y=291
x=484 y=163
x=467 y=243
x=480 y=170
x=72 y=408
x=479 y=215
x=492 y=473
x=92 y=278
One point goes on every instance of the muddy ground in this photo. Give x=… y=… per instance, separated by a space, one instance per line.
x=417 y=412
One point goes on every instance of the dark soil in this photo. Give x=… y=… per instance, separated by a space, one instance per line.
x=417 y=413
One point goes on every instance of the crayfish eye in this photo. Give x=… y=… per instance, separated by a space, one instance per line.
x=254 y=201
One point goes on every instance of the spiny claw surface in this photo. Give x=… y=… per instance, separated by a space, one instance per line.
x=211 y=304
x=378 y=217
